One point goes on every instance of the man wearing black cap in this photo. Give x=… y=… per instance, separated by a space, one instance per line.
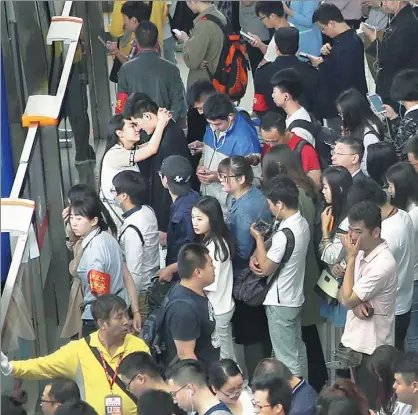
x=287 y=44
x=175 y=174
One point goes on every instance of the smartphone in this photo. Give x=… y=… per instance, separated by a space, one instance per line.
x=177 y=32
x=376 y=103
x=304 y=55
x=246 y=35
x=262 y=227
x=103 y=42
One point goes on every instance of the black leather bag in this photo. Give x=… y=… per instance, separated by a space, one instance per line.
x=252 y=289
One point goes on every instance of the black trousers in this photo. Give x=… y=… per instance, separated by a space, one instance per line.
x=401 y=327
x=366 y=381
x=317 y=370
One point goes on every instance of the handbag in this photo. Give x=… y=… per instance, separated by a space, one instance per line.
x=252 y=289
x=327 y=287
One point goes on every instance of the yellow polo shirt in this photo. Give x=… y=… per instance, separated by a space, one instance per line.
x=76 y=361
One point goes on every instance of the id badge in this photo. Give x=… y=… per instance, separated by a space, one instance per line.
x=113 y=405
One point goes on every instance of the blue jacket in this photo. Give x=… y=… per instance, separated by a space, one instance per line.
x=240 y=140
x=310 y=38
x=249 y=208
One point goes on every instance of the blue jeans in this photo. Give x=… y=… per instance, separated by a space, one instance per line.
x=412 y=334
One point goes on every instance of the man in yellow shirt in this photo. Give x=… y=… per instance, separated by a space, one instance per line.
x=92 y=362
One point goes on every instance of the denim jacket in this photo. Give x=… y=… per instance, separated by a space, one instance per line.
x=249 y=208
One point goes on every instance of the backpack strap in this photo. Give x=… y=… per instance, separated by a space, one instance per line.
x=299 y=147
x=309 y=126
x=136 y=230
x=215 y=20
x=118 y=381
x=290 y=246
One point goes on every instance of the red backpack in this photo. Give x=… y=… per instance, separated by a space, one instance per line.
x=231 y=75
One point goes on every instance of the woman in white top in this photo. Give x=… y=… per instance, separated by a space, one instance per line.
x=125 y=154
x=359 y=120
x=336 y=182
x=209 y=225
x=403 y=187
x=380 y=367
x=227 y=382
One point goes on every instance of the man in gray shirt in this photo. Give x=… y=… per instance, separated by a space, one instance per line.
x=152 y=75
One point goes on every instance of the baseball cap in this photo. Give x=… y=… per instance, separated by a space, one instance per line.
x=178 y=171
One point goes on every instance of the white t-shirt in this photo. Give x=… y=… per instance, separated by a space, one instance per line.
x=246 y=401
x=220 y=291
x=115 y=160
x=375 y=282
x=271 y=53
x=143 y=261
x=398 y=232
x=287 y=290
x=413 y=214
x=400 y=409
x=369 y=137
x=301 y=114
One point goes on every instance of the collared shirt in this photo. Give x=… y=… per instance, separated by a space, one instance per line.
x=303 y=399
x=180 y=227
x=142 y=259
x=76 y=361
x=101 y=253
x=375 y=281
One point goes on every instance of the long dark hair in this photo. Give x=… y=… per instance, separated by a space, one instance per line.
x=89 y=207
x=357 y=114
x=380 y=156
x=221 y=371
x=80 y=191
x=219 y=232
x=380 y=367
x=405 y=180
x=282 y=160
x=339 y=181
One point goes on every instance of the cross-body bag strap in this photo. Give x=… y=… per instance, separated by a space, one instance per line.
x=136 y=230
x=290 y=246
x=118 y=381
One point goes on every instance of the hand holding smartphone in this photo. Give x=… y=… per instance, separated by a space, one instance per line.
x=247 y=36
x=103 y=42
x=376 y=103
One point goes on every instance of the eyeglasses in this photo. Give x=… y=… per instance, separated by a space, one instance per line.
x=173 y=394
x=261 y=18
x=334 y=153
x=47 y=401
x=224 y=177
x=113 y=191
x=258 y=407
x=128 y=385
x=235 y=394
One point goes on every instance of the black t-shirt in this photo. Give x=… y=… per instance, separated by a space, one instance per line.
x=191 y=320
x=173 y=143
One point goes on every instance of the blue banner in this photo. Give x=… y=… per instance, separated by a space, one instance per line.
x=7 y=171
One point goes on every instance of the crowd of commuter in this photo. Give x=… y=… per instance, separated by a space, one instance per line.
x=220 y=238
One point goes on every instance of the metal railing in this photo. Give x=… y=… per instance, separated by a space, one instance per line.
x=20 y=241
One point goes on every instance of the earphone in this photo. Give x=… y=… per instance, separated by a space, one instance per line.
x=190 y=393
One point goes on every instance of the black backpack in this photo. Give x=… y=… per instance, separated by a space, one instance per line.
x=325 y=139
x=252 y=289
x=152 y=330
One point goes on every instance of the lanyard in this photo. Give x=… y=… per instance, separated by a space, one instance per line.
x=109 y=379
